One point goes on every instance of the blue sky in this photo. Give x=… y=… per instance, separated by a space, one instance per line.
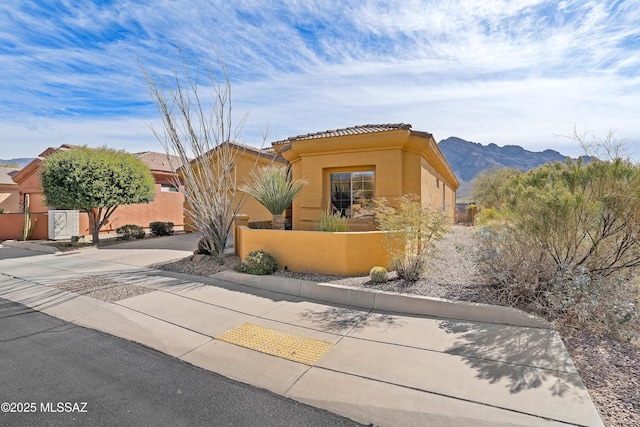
x=491 y=71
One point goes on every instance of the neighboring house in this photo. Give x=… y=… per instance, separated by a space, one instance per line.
x=9 y=199
x=345 y=169
x=246 y=159
x=167 y=205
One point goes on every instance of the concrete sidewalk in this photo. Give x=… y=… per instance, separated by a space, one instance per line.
x=367 y=364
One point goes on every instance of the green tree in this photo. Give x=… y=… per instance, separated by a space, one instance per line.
x=96 y=180
x=272 y=188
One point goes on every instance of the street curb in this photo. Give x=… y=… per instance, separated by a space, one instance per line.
x=31 y=246
x=388 y=301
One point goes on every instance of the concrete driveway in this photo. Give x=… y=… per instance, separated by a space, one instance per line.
x=186 y=242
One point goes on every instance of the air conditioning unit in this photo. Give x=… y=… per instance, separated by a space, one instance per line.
x=63 y=224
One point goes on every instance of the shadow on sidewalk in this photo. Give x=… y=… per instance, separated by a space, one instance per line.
x=526 y=358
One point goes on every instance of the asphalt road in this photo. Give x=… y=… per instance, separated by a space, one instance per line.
x=68 y=375
x=7 y=252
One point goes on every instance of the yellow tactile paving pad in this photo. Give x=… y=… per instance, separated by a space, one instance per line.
x=277 y=343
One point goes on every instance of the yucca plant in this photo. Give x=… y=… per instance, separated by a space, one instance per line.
x=273 y=189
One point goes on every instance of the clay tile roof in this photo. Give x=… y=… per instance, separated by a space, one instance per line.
x=159 y=161
x=257 y=150
x=5 y=175
x=355 y=130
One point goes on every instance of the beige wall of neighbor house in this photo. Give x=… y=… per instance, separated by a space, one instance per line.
x=9 y=200
x=401 y=161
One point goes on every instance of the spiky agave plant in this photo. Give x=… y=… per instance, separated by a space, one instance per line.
x=272 y=187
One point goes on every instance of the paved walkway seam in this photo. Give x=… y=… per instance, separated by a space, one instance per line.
x=445 y=395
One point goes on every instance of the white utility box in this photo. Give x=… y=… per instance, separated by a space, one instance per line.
x=63 y=224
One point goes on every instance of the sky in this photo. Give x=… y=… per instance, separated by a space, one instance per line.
x=509 y=72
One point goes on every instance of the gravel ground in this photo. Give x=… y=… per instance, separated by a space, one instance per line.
x=610 y=369
x=102 y=289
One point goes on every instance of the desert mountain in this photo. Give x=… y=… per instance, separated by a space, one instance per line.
x=21 y=162
x=467 y=159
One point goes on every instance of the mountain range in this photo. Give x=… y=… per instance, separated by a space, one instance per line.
x=468 y=159
x=21 y=162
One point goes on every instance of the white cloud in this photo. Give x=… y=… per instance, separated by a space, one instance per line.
x=508 y=72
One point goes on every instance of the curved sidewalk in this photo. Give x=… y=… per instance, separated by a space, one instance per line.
x=371 y=365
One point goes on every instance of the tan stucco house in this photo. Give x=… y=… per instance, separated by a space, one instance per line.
x=346 y=168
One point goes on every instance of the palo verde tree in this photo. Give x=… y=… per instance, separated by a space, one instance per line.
x=274 y=189
x=195 y=108
x=96 y=180
x=489 y=186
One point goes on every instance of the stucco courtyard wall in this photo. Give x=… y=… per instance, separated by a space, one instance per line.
x=12 y=224
x=344 y=254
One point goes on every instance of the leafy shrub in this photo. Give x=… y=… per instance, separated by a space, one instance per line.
x=487 y=216
x=161 y=228
x=204 y=247
x=414 y=228
x=378 y=275
x=331 y=223
x=130 y=232
x=257 y=262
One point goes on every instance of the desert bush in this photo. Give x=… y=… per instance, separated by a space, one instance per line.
x=519 y=270
x=568 y=244
x=604 y=305
x=379 y=275
x=161 y=228
x=413 y=230
x=130 y=232
x=488 y=216
x=257 y=262
x=331 y=223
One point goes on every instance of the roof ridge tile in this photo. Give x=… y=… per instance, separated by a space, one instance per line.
x=352 y=130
